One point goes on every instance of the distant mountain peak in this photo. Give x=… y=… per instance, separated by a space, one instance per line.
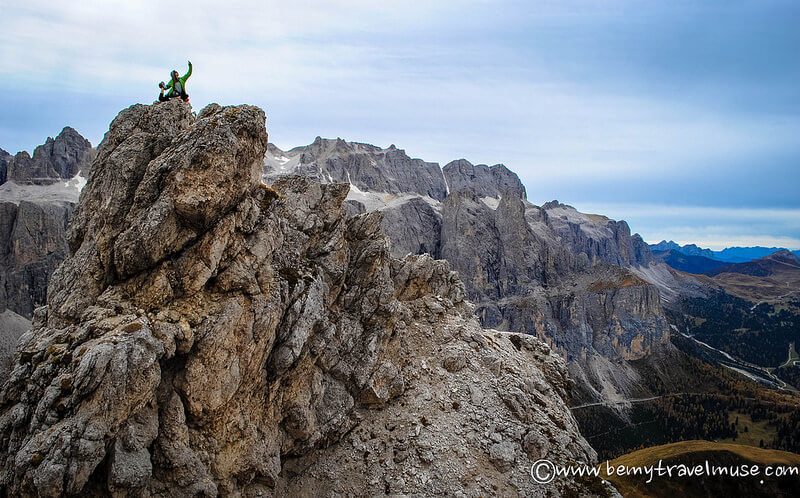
x=686 y=262
x=783 y=256
x=59 y=158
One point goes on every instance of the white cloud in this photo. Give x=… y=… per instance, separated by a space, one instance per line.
x=430 y=76
x=116 y=42
x=356 y=62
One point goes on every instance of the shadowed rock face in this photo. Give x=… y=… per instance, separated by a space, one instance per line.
x=207 y=335
x=32 y=244
x=415 y=227
x=59 y=158
x=5 y=157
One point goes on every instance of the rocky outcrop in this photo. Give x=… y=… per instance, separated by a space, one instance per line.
x=208 y=335
x=58 y=158
x=365 y=166
x=485 y=181
x=32 y=245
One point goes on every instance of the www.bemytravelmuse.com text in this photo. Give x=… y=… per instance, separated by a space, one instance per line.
x=544 y=471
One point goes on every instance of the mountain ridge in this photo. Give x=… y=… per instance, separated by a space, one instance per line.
x=734 y=254
x=685 y=262
x=548 y=271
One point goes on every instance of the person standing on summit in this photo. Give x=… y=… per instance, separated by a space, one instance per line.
x=176 y=86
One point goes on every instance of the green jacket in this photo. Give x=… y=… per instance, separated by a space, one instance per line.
x=179 y=86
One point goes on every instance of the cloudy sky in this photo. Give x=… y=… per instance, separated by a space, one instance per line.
x=681 y=117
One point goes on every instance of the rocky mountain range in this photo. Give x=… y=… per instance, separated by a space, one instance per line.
x=745 y=254
x=687 y=249
x=209 y=335
x=582 y=283
x=775 y=277
x=37 y=195
x=369 y=310
x=728 y=255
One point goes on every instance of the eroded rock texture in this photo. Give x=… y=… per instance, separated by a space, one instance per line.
x=485 y=181
x=208 y=335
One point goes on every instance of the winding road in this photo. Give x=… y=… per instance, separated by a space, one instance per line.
x=755 y=372
x=623 y=401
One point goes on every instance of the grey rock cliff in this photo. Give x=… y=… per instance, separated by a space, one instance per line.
x=485 y=181
x=549 y=274
x=600 y=238
x=58 y=158
x=32 y=245
x=414 y=227
x=365 y=166
x=5 y=157
x=581 y=282
x=208 y=335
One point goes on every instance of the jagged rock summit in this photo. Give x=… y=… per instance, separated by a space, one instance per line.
x=210 y=336
x=59 y=158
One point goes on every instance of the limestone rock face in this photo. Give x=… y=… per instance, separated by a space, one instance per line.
x=492 y=249
x=32 y=244
x=581 y=282
x=365 y=166
x=207 y=335
x=524 y=277
x=484 y=180
x=567 y=278
x=59 y=158
x=600 y=238
x=414 y=227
